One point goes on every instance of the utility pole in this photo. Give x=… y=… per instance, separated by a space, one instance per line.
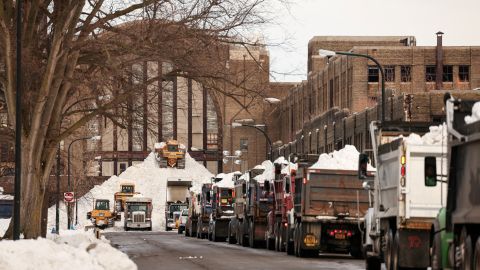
x=57 y=214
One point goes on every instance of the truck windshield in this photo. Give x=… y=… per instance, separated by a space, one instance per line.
x=101 y=205
x=173 y=148
x=177 y=207
x=137 y=207
x=226 y=193
x=127 y=189
x=185 y=212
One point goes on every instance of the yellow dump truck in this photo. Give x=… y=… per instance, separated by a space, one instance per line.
x=170 y=154
x=127 y=190
x=101 y=216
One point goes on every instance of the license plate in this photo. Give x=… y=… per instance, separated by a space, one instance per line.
x=309 y=240
x=224 y=201
x=340 y=236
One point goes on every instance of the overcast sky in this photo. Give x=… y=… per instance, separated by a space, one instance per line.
x=458 y=19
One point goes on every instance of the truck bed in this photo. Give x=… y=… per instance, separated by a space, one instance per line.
x=334 y=194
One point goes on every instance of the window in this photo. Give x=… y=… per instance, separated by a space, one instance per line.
x=406 y=73
x=244 y=145
x=448 y=73
x=123 y=167
x=389 y=73
x=430 y=74
x=464 y=73
x=372 y=74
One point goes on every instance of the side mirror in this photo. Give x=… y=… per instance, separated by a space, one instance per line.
x=207 y=197
x=267 y=186
x=198 y=198
x=287 y=185
x=244 y=188
x=362 y=165
x=89 y=215
x=430 y=172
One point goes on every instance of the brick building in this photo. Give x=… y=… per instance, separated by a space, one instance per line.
x=344 y=85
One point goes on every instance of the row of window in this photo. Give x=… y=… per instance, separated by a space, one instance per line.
x=430 y=73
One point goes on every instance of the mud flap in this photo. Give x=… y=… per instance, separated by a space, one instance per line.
x=414 y=248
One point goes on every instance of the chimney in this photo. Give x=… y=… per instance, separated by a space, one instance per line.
x=439 y=69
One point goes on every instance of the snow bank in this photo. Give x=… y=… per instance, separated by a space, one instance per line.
x=343 y=159
x=70 y=250
x=268 y=173
x=436 y=136
x=286 y=169
x=150 y=181
x=475 y=114
x=4 y=222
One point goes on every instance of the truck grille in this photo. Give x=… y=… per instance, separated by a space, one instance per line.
x=139 y=217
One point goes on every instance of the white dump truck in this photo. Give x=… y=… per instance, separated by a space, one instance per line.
x=405 y=205
x=138 y=213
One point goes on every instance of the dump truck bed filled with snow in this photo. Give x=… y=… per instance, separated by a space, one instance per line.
x=333 y=193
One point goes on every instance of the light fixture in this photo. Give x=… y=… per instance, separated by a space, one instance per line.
x=226 y=153
x=234 y=125
x=238 y=161
x=272 y=100
x=326 y=53
x=96 y=138
x=238 y=153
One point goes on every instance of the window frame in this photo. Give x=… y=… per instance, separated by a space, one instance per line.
x=463 y=73
x=447 y=76
x=430 y=76
x=390 y=74
x=404 y=76
x=370 y=75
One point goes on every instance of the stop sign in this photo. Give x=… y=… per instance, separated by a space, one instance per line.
x=68 y=196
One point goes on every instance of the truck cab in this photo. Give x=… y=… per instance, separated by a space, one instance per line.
x=138 y=213
x=101 y=216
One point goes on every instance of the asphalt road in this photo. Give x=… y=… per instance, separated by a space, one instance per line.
x=169 y=250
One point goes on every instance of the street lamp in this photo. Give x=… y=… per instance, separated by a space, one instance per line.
x=257 y=127
x=272 y=100
x=235 y=158
x=94 y=138
x=329 y=53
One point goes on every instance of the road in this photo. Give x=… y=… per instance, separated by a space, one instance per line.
x=169 y=250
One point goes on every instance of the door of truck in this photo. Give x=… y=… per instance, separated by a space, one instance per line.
x=423 y=201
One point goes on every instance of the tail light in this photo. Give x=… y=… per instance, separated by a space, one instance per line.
x=403 y=162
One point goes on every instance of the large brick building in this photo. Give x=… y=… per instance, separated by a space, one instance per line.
x=345 y=85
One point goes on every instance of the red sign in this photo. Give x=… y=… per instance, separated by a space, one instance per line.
x=68 y=196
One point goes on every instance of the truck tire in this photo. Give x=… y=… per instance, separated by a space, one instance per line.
x=464 y=262
x=373 y=263
x=389 y=249
x=356 y=249
x=251 y=235
x=277 y=234
x=476 y=256
x=436 y=258
x=395 y=252
x=230 y=239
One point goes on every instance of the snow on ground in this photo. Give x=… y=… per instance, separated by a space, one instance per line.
x=343 y=159
x=150 y=181
x=4 y=222
x=69 y=250
x=475 y=114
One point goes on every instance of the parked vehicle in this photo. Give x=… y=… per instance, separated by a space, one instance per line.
x=193 y=212
x=235 y=235
x=222 y=208
x=398 y=226
x=138 y=213
x=183 y=221
x=101 y=216
x=176 y=200
x=203 y=219
x=455 y=233
x=251 y=222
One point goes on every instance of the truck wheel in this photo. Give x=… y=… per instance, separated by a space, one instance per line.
x=388 y=250
x=436 y=258
x=465 y=246
x=277 y=237
x=395 y=252
x=187 y=233
x=251 y=235
x=373 y=263
x=356 y=249
x=231 y=240
x=476 y=256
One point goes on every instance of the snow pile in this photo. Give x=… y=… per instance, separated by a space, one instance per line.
x=150 y=181
x=436 y=136
x=227 y=180
x=4 y=222
x=70 y=250
x=286 y=166
x=343 y=159
x=268 y=171
x=475 y=114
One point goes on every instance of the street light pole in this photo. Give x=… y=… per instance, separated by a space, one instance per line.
x=379 y=66
x=57 y=207
x=69 y=222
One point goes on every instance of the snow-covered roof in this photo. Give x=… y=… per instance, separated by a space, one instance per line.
x=343 y=159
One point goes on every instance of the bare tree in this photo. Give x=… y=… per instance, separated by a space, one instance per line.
x=76 y=51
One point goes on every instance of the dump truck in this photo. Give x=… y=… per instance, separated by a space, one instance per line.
x=222 y=208
x=250 y=223
x=170 y=154
x=127 y=189
x=455 y=239
x=398 y=225
x=193 y=212
x=277 y=220
x=101 y=216
x=138 y=213
x=203 y=219
x=176 y=200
